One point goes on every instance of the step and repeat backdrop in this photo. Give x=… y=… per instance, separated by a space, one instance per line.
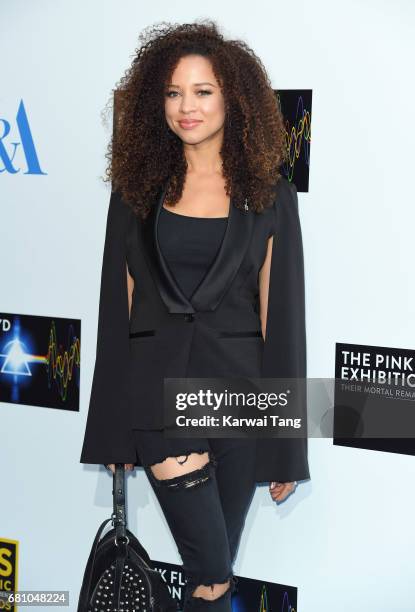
x=342 y=78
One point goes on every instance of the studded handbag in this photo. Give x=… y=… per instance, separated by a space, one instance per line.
x=119 y=576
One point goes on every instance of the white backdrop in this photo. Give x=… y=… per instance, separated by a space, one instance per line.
x=346 y=538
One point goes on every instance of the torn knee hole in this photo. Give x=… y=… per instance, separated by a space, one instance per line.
x=192 y=597
x=190 y=479
x=212 y=591
x=187 y=480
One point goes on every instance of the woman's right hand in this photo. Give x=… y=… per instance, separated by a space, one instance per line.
x=127 y=466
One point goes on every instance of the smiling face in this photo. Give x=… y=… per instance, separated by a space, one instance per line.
x=194 y=104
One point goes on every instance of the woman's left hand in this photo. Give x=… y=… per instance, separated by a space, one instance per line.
x=280 y=490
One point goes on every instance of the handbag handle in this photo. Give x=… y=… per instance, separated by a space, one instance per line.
x=119 y=517
x=119 y=513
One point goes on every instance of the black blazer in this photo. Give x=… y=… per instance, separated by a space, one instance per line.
x=168 y=335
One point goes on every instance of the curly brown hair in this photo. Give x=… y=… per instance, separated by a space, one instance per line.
x=144 y=153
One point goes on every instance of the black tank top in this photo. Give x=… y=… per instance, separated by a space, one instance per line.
x=189 y=245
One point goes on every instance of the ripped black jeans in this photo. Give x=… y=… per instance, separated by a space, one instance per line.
x=205 y=509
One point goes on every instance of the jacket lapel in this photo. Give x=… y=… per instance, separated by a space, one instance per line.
x=222 y=271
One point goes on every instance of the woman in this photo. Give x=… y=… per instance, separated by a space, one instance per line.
x=198 y=214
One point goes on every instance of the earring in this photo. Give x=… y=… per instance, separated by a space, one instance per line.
x=246 y=204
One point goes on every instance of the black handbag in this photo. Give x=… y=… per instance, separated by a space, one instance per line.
x=119 y=576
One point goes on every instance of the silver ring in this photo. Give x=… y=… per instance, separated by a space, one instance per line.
x=127 y=539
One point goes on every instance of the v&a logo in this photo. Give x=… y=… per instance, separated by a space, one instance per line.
x=8 y=150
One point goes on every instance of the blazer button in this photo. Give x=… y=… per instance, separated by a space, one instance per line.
x=189 y=317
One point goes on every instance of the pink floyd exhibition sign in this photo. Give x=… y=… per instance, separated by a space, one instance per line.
x=374 y=399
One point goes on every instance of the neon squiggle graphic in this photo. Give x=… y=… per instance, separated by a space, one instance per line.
x=60 y=367
x=263 y=604
x=297 y=137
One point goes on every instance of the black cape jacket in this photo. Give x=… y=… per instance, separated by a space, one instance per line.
x=183 y=337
